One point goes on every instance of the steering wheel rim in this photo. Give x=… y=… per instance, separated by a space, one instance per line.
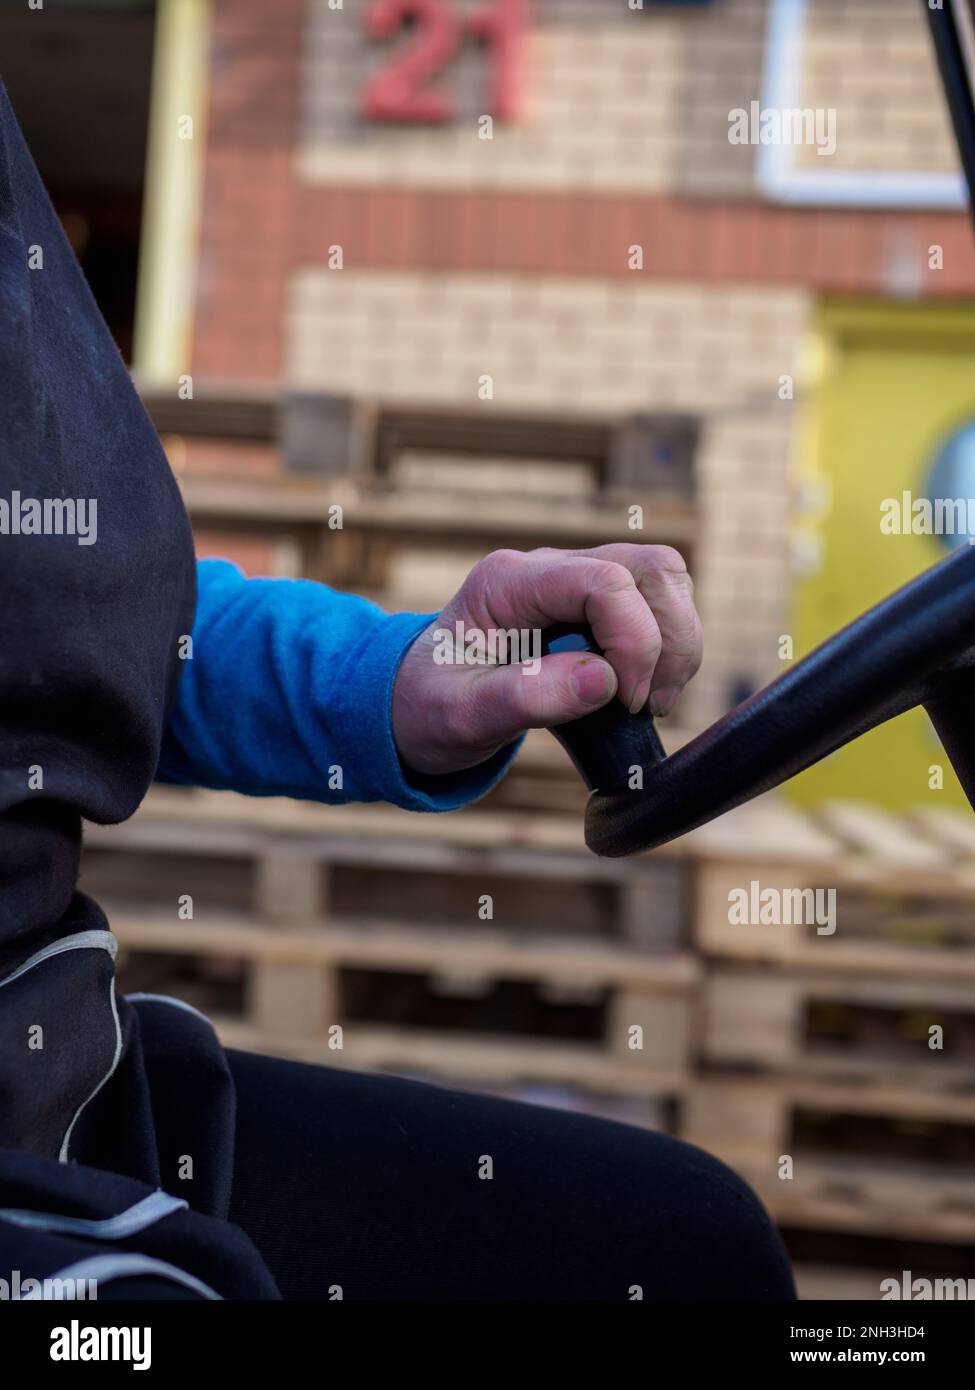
x=915 y=647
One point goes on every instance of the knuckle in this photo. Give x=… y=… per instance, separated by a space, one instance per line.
x=668 y=560
x=498 y=560
x=609 y=574
x=492 y=572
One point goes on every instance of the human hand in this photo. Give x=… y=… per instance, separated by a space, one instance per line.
x=451 y=712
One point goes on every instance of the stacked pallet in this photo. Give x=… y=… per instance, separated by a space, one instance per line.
x=398 y=505
x=838 y=1058
x=489 y=948
x=486 y=948
x=827 y=1055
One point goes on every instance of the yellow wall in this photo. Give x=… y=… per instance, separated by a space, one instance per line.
x=896 y=380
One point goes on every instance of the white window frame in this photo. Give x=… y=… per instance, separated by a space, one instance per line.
x=777 y=176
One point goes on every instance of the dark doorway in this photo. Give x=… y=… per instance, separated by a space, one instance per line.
x=78 y=75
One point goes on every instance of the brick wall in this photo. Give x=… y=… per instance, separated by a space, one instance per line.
x=509 y=256
x=603 y=97
x=623 y=100
x=594 y=347
x=634 y=150
x=872 y=61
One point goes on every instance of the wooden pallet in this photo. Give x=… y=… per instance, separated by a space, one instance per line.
x=288 y=860
x=408 y=552
x=877 y=1160
x=449 y=453
x=839 y=1026
x=905 y=888
x=367 y=917
x=383 y=984
x=303 y=920
x=313 y=906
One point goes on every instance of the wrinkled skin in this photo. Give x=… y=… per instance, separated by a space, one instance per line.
x=639 y=602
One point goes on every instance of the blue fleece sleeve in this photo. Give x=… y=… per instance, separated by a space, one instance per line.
x=288 y=692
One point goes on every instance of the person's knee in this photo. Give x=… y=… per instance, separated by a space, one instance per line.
x=719 y=1240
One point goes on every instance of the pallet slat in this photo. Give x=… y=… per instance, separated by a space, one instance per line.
x=884 y=837
x=468 y=1057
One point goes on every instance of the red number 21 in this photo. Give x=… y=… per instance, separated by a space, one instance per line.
x=398 y=92
x=395 y=93
x=503 y=27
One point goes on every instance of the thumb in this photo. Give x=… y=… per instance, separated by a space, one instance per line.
x=507 y=700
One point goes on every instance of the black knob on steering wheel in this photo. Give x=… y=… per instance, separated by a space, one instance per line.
x=917 y=647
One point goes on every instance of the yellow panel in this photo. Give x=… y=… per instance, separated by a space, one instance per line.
x=896 y=381
x=174 y=180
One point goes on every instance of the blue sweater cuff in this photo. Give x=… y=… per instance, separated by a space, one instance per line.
x=371 y=676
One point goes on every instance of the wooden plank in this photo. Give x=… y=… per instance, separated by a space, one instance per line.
x=715 y=933
x=858 y=957
x=748 y=1123
x=250 y=414
x=751 y=1018
x=756 y=1019
x=884 y=1099
x=766 y=830
x=721 y=1115
x=955 y=830
x=297 y=504
x=644 y=1027
x=652 y=911
x=906 y=1203
x=468 y=1057
x=720 y=1102
x=931 y=955
x=394 y=946
x=290 y=888
x=475 y=432
x=291 y=998
x=513 y=842
x=882 y=836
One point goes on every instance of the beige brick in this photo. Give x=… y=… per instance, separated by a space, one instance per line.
x=568 y=345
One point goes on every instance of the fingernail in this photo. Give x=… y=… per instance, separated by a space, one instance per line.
x=663 y=701
x=592 y=681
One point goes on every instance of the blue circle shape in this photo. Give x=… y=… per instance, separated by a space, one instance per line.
x=952 y=476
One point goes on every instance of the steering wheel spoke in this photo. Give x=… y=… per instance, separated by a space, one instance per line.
x=914 y=648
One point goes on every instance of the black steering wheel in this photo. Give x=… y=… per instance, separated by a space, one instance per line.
x=917 y=647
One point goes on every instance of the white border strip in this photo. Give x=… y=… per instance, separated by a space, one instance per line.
x=780 y=181
x=104 y=1268
x=65 y=1142
x=126 y=1223
x=96 y=940
x=93 y=938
